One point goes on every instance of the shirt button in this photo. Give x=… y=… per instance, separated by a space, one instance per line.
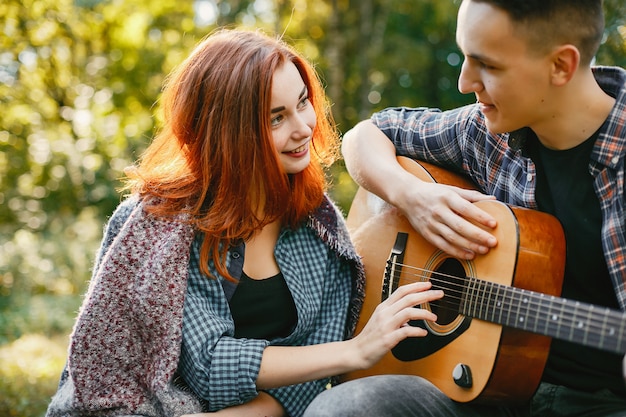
x=529 y=177
x=615 y=159
x=236 y=255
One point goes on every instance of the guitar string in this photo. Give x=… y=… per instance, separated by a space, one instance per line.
x=595 y=335
x=597 y=326
x=563 y=318
x=594 y=329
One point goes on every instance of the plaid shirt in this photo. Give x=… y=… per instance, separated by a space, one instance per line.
x=223 y=369
x=126 y=343
x=460 y=141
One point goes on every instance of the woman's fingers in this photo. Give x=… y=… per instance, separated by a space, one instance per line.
x=413 y=294
x=402 y=301
x=397 y=310
x=388 y=325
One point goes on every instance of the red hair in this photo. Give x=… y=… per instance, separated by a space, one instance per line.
x=215 y=151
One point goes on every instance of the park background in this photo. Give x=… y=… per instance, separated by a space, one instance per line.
x=78 y=85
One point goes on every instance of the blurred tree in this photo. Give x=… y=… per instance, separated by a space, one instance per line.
x=79 y=85
x=613 y=49
x=79 y=81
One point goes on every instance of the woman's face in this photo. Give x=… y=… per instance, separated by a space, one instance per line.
x=292 y=117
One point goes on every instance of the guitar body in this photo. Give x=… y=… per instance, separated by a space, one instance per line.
x=505 y=364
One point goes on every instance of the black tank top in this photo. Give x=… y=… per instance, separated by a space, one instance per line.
x=263 y=308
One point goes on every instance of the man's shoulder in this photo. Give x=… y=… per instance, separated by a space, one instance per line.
x=611 y=79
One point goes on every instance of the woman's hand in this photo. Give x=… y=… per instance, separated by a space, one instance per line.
x=388 y=325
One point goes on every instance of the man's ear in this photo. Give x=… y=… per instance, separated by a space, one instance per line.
x=565 y=62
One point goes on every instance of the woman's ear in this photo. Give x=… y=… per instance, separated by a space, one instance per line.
x=565 y=63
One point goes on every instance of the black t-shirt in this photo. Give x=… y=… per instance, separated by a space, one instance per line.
x=263 y=309
x=565 y=190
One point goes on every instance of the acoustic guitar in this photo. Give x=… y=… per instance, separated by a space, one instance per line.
x=500 y=310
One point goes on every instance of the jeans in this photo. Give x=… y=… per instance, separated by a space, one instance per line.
x=411 y=396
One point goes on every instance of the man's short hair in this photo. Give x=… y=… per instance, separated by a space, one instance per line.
x=549 y=23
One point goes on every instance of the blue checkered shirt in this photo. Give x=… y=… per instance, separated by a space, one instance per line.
x=222 y=369
x=459 y=140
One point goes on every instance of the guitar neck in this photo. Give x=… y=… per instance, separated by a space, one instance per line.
x=560 y=318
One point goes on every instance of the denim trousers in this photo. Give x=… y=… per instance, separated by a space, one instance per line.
x=411 y=396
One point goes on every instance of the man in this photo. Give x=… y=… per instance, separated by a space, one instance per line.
x=548 y=132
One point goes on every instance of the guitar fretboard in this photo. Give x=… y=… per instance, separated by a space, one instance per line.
x=561 y=318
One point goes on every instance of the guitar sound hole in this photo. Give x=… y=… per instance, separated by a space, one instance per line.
x=449 y=277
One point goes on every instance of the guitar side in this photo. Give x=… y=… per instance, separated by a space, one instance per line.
x=506 y=364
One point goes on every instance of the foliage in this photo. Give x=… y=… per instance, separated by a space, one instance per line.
x=79 y=81
x=29 y=375
x=78 y=86
x=613 y=49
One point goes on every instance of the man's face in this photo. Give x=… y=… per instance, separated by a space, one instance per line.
x=511 y=83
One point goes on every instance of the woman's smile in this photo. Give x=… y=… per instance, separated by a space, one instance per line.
x=299 y=151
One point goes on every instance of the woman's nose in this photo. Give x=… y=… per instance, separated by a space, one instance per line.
x=303 y=126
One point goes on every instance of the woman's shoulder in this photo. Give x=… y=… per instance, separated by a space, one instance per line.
x=327 y=218
x=116 y=221
x=131 y=218
x=328 y=221
x=123 y=211
x=135 y=208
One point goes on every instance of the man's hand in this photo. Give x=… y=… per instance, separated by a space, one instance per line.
x=442 y=214
x=445 y=216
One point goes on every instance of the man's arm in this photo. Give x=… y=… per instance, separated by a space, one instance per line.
x=442 y=214
x=371 y=161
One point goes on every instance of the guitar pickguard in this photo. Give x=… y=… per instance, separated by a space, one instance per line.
x=450 y=323
x=414 y=348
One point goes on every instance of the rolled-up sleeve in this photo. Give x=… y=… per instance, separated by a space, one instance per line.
x=428 y=134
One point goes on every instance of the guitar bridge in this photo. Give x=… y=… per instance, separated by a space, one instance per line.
x=393 y=269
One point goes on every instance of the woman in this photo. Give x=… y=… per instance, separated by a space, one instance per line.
x=226 y=282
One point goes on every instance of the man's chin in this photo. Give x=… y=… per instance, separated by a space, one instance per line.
x=496 y=128
x=499 y=127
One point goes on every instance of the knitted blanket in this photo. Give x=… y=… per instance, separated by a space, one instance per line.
x=125 y=345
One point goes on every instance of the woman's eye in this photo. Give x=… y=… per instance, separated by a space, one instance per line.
x=304 y=102
x=276 y=120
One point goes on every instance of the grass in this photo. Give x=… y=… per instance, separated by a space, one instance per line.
x=33 y=349
x=29 y=373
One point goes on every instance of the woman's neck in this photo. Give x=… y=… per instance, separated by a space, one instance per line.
x=259 y=260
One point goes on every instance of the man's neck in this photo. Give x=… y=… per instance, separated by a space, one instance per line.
x=579 y=111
